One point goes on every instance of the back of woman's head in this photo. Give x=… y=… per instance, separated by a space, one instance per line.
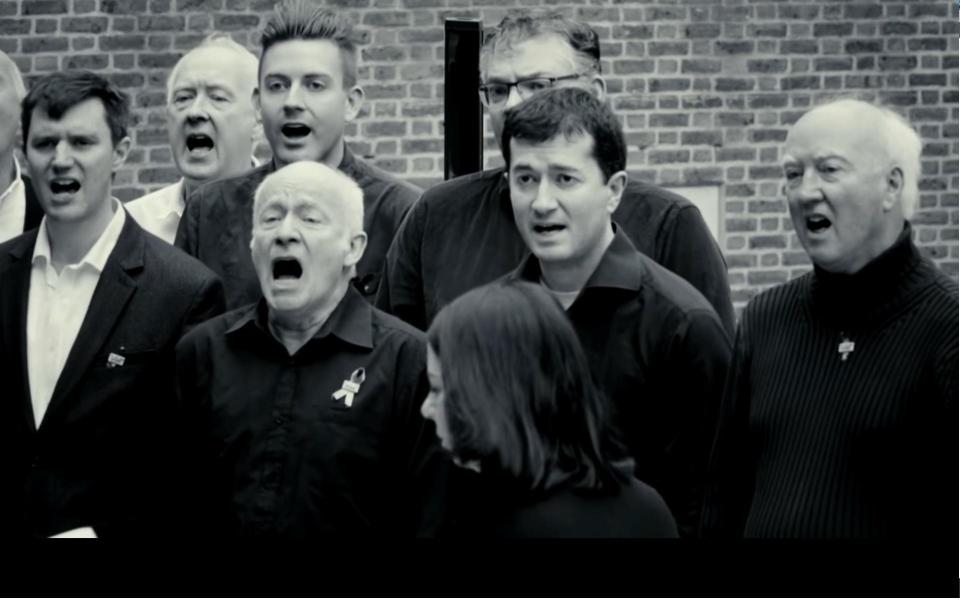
x=518 y=394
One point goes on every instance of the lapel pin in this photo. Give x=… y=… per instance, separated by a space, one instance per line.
x=350 y=387
x=115 y=360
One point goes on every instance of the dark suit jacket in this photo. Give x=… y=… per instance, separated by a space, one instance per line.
x=100 y=455
x=34 y=211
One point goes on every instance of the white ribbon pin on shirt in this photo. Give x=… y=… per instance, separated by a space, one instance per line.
x=350 y=387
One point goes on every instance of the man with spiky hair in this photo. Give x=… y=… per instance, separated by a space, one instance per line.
x=212 y=127
x=307 y=93
x=19 y=209
x=461 y=234
x=840 y=414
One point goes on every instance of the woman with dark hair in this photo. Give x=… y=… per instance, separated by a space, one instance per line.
x=512 y=398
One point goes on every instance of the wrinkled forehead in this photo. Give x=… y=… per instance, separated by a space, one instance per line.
x=216 y=66
x=545 y=53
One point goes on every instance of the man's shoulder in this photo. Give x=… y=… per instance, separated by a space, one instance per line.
x=375 y=178
x=172 y=265
x=673 y=289
x=215 y=327
x=152 y=196
x=394 y=328
x=17 y=247
x=655 y=197
x=780 y=298
x=462 y=190
x=238 y=189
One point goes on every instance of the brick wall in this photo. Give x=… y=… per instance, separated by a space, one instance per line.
x=706 y=88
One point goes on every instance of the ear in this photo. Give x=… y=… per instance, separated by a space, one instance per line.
x=255 y=100
x=893 y=186
x=358 y=243
x=353 y=102
x=599 y=87
x=616 y=184
x=120 y=152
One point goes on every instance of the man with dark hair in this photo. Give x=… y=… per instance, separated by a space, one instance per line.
x=19 y=209
x=655 y=345
x=461 y=234
x=306 y=402
x=91 y=308
x=307 y=93
x=840 y=415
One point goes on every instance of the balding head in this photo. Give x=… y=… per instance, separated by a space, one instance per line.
x=307 y=239
x=850 y=171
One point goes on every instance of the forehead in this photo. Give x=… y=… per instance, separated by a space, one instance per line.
x=87 y=117
x=213 y=66
x=296 y=58
x=842 y=131
x=573 y=152
x=547 y=54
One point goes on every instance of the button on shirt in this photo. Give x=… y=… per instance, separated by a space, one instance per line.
x=13 y=206
x=281 y=454
x=57 y=306
x=159 y=212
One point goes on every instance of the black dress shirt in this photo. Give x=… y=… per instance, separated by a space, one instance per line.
x=659 y=352
x=217 y=222
x=461 y=235
x=278 y=455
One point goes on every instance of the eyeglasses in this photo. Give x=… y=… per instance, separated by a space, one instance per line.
x=495 y=94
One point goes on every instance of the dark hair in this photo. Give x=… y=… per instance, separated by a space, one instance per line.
x=57 y=93
x=518 y=393
x=307 y=20
x=522 y=26
x=567 y=112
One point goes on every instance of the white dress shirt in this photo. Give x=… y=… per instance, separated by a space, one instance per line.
x=57 y=305
x=159 y=212
x=13 y=206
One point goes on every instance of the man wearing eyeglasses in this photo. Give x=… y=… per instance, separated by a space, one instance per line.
x=462 y=233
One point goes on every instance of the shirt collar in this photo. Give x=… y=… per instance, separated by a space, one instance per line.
x=351 y=320
x=618 y=268
x=16 y=181
x=171 y=202
x=98 y=254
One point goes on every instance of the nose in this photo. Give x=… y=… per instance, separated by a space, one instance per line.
x=513 y=97
x=809 y=186
x=286 y=232
x=544 y=201
x=62 y=156
x=426 y=409
x=199 y=108
x=294 y=98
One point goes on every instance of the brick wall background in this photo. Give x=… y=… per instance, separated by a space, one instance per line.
x=706 y=88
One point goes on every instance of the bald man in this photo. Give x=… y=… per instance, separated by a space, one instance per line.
x=211 y=124
x=307 y=401
x=19 y=209
x=840 y=415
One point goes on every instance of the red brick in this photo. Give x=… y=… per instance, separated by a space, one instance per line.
x=14 y=26
x=90 y=62
x=235 y=22
x=44 y=7
x=933 y=9
x=768 y=100
x=798 y=47
x=833 y=64
x=128 y=7
x=863 y=46
x=701 y=65
x=161 y=23
x=735 y=119
x=695 y=137
x=387 y=18
x=735 y=47
x=44 y=44
x=806 y=12
x=702 y=30
x=811 y=82
x=898 y=28
x=927 y=43
x=918 y=79
x=122 y=42
x=672 y=84
x=832 y=29
x=668 y=48
x=669 y=120
x=659 y=157
x=195 y=5
x=632 y=67
x=84 y=24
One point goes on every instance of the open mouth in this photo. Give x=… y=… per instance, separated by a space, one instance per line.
x=295 y=130
x=199 y=141
x=817 y=223
x=64 y=186
x=547 y=229
x=286 y=268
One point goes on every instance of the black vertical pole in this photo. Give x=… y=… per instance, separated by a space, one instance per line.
x=462 y=113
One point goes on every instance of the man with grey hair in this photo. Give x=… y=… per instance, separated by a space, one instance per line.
x=19 y=209
x=212 y=127
x=462 y=234
x=840 y=415
x=307 y=401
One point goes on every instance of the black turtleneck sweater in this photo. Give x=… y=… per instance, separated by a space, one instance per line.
x=812 y=445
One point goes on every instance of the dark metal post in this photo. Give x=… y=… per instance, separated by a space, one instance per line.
x=462 y=113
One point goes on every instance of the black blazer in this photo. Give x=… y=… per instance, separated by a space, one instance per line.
x=34 y=211
x=99 y=455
